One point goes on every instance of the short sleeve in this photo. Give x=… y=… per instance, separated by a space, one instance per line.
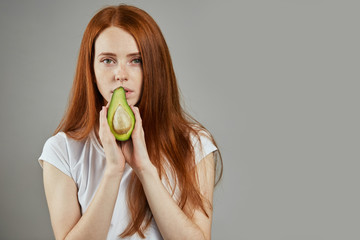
x=202 y=146
x=55 y=153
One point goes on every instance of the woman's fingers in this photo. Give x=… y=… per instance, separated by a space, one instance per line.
x=104 y=128
x=127 y=149
x=114 y=156
x=138 y=122
x=101 y=121
x=136 y=113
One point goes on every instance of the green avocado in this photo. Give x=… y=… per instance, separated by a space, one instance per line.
x=120 y=117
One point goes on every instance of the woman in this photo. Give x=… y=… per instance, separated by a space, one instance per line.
x=159 y=184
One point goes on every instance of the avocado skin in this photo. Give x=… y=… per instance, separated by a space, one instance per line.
x=119 y=98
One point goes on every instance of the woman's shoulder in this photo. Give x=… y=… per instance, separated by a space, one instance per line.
x=56 y=141
x=199 y=133
x=64 y=152
x=64 y=143
x=55 y=152
x=61 y=139
x=203 y=142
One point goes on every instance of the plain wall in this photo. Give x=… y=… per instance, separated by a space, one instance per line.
x=275 y=81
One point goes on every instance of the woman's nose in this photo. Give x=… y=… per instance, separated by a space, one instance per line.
x=121 y=73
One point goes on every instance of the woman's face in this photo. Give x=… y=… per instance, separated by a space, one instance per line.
x=117 y=62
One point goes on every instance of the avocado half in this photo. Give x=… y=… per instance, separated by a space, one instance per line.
x=120 y=117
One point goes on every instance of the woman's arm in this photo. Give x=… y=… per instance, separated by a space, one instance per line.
x=61 y=194
x=172 y=222
x=64 y=209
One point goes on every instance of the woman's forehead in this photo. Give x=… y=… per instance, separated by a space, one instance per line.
x=115 y=40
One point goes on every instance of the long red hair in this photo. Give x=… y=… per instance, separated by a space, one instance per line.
x=166 y=125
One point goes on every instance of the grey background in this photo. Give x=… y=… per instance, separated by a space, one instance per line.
x=275 y=81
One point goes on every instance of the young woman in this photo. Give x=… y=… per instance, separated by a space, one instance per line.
x=157 y=185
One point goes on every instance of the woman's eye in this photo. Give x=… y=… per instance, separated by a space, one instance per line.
x=107 y=61
x=136 y=61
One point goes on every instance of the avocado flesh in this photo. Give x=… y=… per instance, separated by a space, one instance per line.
x=120 y=117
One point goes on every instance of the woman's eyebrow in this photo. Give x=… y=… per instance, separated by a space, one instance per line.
x=133 y=54
x=114 y=55
x=107 y=54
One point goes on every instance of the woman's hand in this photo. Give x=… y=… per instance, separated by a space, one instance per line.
x=135 y=150
x=115 y=160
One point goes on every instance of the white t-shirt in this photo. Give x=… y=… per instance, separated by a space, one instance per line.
x=84 y=162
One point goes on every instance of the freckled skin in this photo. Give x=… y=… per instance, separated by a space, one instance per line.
x=118 y=63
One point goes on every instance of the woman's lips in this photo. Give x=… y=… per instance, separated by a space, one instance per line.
x=128 y=92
